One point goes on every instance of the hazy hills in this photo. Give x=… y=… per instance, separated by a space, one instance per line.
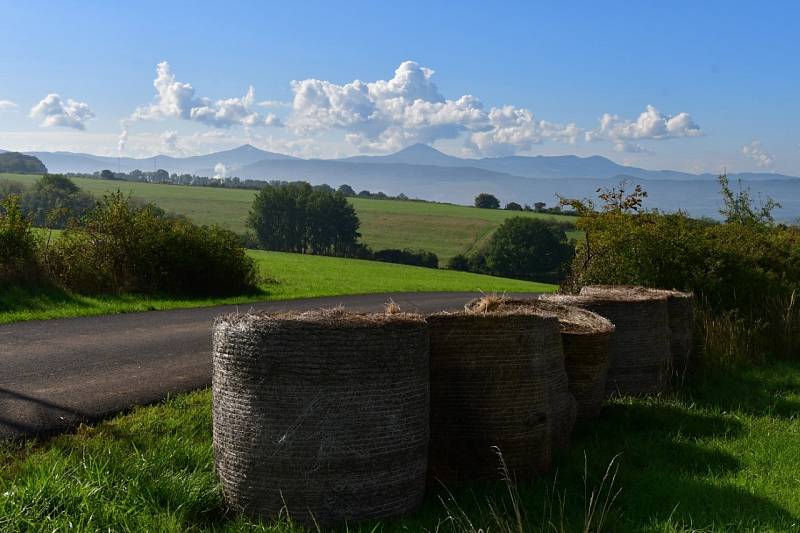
x=425 y=172
x=251 y=162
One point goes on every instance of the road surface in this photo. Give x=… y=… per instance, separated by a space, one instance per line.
x=55 y=374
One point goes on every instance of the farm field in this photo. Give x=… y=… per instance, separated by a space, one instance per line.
x=705 y=459
x=286 y=275
x=443 y=229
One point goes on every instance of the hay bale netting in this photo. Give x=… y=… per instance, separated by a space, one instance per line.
x=586 y=337
x=640 y=359
x=489 y=388
x=324 y=411
x=680 y=308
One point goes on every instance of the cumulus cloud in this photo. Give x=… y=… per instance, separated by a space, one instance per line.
x=53 y=111
x=272 y=120
x=175 y=99
x=757 y=153
x=651 y=125
x=169 y=141
x=513 y=129
x=7 y=105
x=409 y=108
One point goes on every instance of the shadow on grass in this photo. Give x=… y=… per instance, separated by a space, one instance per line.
x=673 y=468
x=772 y=389
x=17 y=298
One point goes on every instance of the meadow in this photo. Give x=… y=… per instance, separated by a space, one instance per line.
x=286 y=276
x=707 y=458
x=443 y=229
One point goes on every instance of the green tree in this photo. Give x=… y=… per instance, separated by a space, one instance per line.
x=346 y=190
x=54 y=200
x=739 y=208
x=528 y=248
x=487 y=201
x=295 y=217
x=21 y=164
x=107 y=175
x=513 y=206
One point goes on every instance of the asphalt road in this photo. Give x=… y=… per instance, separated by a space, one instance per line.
x=55 y=374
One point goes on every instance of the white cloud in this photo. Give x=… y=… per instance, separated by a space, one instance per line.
x=515 y=129
x=272 y=120
x=630 y=148
x=408 y=108
x=651 y=125
x=169 y=141
x=7 y=105
x=53 y=111
x=757 y=153
x=175 y=99
x=274 y=103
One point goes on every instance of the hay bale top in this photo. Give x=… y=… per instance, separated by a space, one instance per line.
x=572 y=320
x=332 y=318
x=603 y=297
x=624 y=291
x=497 y=312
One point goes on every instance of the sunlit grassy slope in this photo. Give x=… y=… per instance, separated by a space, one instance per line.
x=287 y=276
x=443 y=229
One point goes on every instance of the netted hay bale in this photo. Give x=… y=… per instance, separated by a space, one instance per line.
x=489 y=387
x=640 y=358
x=680 y=308
x=586 y=337
x=324 y=411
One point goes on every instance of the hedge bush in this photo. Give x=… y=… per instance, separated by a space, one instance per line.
x=122 y=247
x=18 y=244
x=746 y=268
x=407 y=257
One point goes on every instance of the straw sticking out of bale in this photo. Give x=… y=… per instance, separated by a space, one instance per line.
x=640 y=359
x=680 y=308
x=586 y=337
x=489 y=387
x=324 y=411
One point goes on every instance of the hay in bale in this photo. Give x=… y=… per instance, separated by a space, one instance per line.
x=640 y=359
x=586 y=337
x=680 y=308
x=324 y=412
x=489 y=388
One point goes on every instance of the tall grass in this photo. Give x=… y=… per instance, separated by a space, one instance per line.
x=729 y=339
x=509 y=516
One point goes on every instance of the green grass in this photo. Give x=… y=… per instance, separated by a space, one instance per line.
x=443 y=229
x=722 y=455
x=289 y=276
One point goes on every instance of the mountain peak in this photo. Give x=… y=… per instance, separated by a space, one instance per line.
x=419 y=149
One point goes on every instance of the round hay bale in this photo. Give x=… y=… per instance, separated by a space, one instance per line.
x=324 y=413
x=680 y=308
x=640 y=359
x=586 y=337
x=489 y=388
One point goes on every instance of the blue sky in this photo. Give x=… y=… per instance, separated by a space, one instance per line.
x=722 y=79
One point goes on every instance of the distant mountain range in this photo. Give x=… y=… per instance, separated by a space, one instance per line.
x=250 y=162
x=425 y=172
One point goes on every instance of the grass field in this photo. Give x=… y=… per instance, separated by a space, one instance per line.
x=443 y=229
x=289 y=276
x=711 y=458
